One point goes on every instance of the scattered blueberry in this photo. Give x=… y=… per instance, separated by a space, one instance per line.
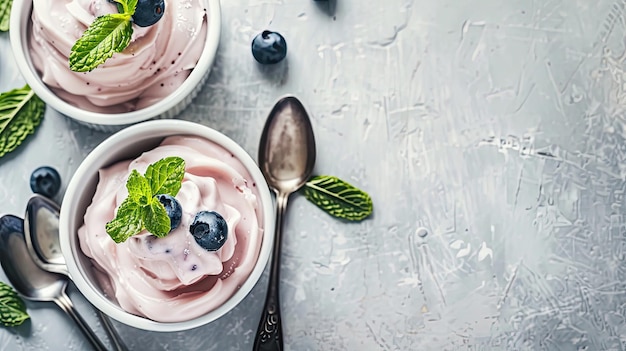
x=173 y=209
x=269 y=47
x=46 y=181
x=209 y=229
x=11 y=224
x=148 y=12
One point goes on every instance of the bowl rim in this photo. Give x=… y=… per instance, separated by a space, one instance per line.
x=89 y=168
x=19 y=47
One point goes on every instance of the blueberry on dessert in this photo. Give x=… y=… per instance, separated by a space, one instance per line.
x=269 y=47
x=173 y=209
x=209 y=229
x=46 y=181
x=148 y=12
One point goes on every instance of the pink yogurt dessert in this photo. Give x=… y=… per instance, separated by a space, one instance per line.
x=174 y=279
x=157 y=61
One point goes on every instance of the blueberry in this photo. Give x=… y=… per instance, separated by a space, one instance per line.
x=269 y=47
x=11 y=224
x=209 y=229
x=173 y=209
x=45 y=181
x=148 y=12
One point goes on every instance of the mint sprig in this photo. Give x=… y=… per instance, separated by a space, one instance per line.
x=338 y=198
x=107 y=35
x=141 y=209
x=21 y=111
x=12 y=307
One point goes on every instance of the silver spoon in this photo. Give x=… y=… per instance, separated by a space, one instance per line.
x=41 y=231
x=286 y=158
x=32 y=282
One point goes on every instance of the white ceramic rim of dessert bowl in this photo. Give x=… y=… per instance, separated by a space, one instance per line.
x=127 y=143
x=177 y=100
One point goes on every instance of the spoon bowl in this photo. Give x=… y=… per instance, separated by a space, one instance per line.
x=286 y=157
x=27 y=278
x=30 y=280
x=287 y=147
x=41 y=233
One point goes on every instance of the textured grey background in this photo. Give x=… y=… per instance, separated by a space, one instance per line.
x=490 y=135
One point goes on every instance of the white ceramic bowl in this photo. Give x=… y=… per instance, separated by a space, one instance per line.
x=168 y=107
x=129 y=143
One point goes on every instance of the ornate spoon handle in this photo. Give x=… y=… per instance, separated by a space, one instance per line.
x=269 y=336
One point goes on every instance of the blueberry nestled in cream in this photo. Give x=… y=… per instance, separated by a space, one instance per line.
x=210 y=230
x=173 y=209
x=148 y=12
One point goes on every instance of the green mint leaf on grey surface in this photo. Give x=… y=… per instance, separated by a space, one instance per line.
x=142 y=209
x=338 y=198
x=21 y=111
x=12 y=307
x=5 y=14
x=107 y=35
x=165 y=175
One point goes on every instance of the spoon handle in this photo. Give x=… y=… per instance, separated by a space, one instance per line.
x=114 y=337
x=64 y=302
x=269 y=336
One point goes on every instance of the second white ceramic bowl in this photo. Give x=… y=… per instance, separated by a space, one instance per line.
x=130 y=143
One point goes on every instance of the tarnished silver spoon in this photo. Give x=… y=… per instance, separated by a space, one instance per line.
x=32 y=282
x=286 y=158
x=41 y=231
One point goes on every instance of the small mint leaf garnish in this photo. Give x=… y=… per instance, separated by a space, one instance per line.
x=338 y=198
x=5 y=14
x=142 y=209
x=165 y=175
x=12 y=307
x=21 y=111
x=130 y=7
x=156 y=219
x=127 y=222
x=107 y=35
x=138 y=187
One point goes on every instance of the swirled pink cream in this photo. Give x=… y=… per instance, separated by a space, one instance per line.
x=156 y=62
x=173 y=278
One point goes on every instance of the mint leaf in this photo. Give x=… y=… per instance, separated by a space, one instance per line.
x=338 y=198
x=127 y=222
x=155 y=218
x=139 y=189
x=165 y=176
x=5 y=14
x=141 y=209
x=131 y=5
x=107 y=35
x=12 y=307
x=21 y=111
